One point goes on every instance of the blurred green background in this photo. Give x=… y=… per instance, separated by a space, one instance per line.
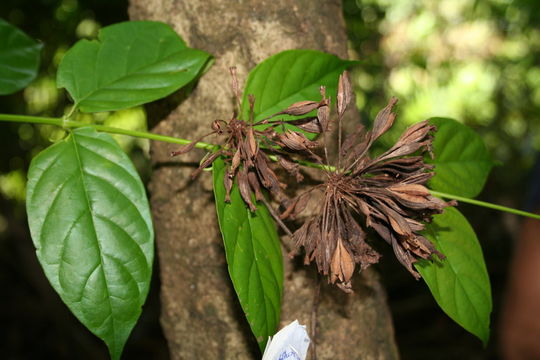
x=475 y=61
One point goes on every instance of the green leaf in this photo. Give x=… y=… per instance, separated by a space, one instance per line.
x=91 y=226
x=291 y=76
x=459 y=283
x=254 y=257
x=131 y=63
x=462 y=162
x=19 y=58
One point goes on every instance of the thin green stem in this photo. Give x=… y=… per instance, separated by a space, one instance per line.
x=484 y=204
x=202 y=145
x=109 y=129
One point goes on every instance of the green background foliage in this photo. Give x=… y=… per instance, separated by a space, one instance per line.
x=19 y=58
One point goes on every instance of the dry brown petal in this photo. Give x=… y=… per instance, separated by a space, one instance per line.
x=235 y=87
x=291 y=167
x=205 y=163
x=255 y=186
x=217 y=126
x=351 y=140
x=416 y=132
x=184 y=149
x=252 y=142
x=244 y=187
x=300 y=237
x=296 y=141
x=296 y=206
x=236 y=160
x=398 y=223
x=251 y=99
x=247 y=155
x=418 y=247
x=228 y=182
x=310 y=124
x=384 y=120
x=344 y=93
x=323 y=114
x=404 y=257
x=404 y=149
x=415 y=193
x=342 y=265
x=267 y=176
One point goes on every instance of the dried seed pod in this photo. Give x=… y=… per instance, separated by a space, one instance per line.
x=323 y=114
x=296 y=141
x=310 y=124
x=300 y=108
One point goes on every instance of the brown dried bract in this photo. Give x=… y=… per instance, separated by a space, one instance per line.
x=387 y=192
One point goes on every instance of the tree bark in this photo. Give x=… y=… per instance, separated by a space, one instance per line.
x=201 y=316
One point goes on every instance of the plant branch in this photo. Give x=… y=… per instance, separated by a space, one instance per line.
x=485 y=204
x=61 y=122
x=108 y=129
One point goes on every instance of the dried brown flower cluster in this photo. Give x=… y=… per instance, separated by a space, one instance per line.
x=248 y=146
x=387 y=191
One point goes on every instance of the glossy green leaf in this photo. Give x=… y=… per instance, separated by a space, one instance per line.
x=462 y=162
x=90 y=222
x=459 y=283
x=254 y=257
x=19 y=58
x=131 y=63
x=291 y=76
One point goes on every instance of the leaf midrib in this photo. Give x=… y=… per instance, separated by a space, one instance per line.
x=79 y=163
x=259 y=278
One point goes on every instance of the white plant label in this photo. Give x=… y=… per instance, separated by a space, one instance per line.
x=289 y=343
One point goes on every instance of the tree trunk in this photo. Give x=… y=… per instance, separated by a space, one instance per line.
x=201 y=316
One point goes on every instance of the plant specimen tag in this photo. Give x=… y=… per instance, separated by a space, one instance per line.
x=290 y=343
